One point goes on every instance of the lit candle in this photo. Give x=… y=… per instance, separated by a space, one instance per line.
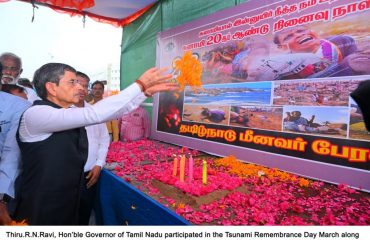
x=204 y=172
x=182 y=168
x=191 y=168
x=175 y=162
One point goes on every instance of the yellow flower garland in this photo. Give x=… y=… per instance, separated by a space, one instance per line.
x=247 y=169
x=190 y=70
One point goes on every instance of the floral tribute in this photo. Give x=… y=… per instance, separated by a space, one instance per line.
x=244 y=170
x=217 y=180
x=255 y=195
x=190 y=70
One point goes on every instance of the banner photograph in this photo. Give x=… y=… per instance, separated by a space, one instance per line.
x=275 y=80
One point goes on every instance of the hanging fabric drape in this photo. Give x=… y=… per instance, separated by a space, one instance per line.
x=76 y=4
x=118 y=13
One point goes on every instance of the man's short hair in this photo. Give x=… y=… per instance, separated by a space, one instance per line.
x=25 y=82
x=98 y=82
x=81 y=74
x=12 y=56
x=50 y=72
x=8 y=88
x=1 y=71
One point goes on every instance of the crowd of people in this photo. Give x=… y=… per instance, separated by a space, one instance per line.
x=53 y=143
x=311 y=93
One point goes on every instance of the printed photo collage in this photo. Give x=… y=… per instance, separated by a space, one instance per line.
x=304 y=106
x=295 y=80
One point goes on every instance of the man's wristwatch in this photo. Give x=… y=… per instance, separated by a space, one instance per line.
x=4 y=198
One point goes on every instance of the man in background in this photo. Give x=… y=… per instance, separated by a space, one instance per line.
x=11 y=109
x=12 y=69
x=98 y=139
x=25 y=82
x=112 y=126
x=14 y=90
x=135 y=125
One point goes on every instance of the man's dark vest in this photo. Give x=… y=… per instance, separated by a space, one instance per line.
x=51 y=178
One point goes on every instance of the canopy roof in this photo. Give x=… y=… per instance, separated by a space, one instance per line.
x=116 y=12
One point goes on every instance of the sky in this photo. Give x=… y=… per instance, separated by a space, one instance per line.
x=56 y=37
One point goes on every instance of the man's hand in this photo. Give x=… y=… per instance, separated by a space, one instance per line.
x=93 y=176
x=162 y=87
x=155 y=76
x=4 y=215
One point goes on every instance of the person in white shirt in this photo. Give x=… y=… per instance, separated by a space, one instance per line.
x=11 y=109
x=98 y=138
x=53 y=140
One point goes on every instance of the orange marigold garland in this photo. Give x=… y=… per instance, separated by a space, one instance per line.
x=247 y=169
x=190 y=72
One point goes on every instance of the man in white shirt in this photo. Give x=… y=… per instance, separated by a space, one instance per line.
x=53 y=140
x=98 y=138
x=11 y=109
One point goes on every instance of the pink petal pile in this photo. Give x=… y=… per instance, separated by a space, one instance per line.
x=263 y=201
x=216 y=181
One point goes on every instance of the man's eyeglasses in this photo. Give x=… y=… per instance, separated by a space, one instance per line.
x=74 y=82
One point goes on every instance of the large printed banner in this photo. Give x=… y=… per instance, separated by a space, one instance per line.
x=276 y=82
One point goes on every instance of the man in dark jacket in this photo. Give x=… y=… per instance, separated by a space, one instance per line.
x=53 y=140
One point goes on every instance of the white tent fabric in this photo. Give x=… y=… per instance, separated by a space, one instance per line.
x=118 y=9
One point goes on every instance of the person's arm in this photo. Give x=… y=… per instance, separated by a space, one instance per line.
x=42 y=120
x=103 y=146
x=104 y=141
x=10 y=162
x=10 y=153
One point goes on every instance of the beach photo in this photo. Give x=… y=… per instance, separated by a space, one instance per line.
x=235 y=94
